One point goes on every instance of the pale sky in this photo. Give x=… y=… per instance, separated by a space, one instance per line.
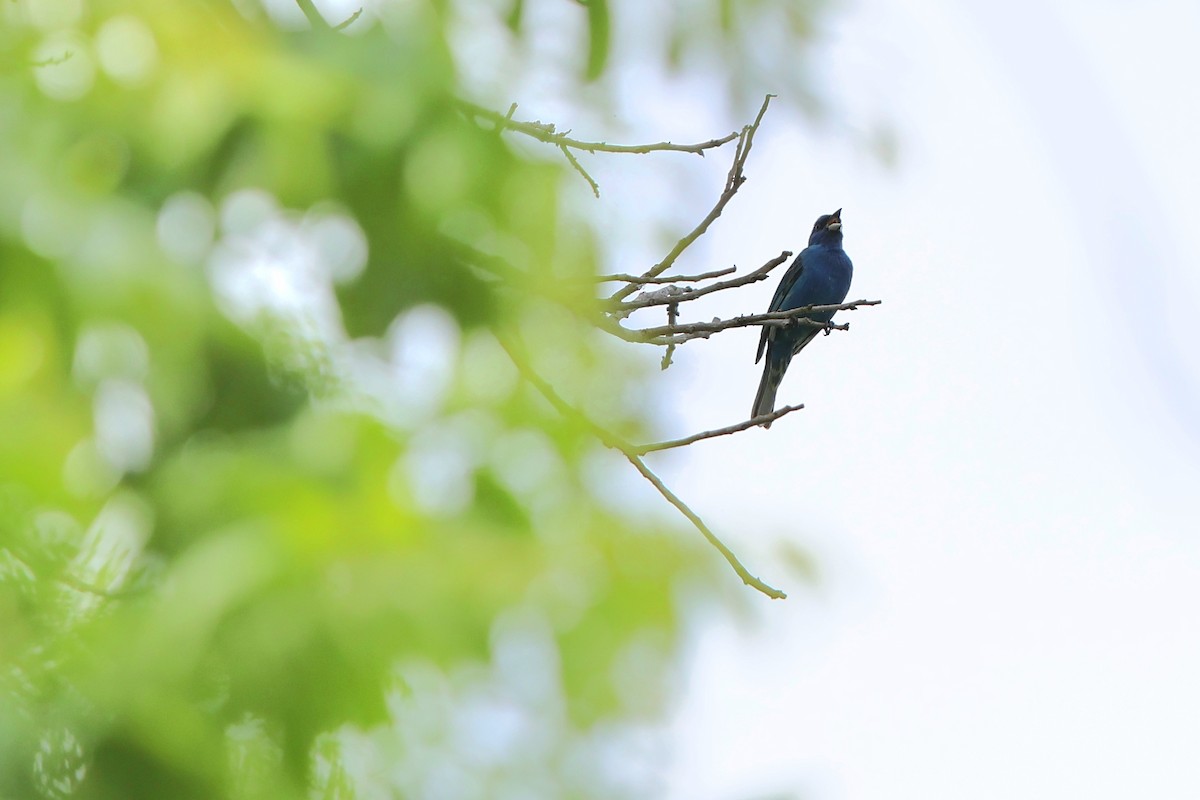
x=997 y=469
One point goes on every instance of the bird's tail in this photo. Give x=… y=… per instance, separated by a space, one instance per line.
x=764 y=401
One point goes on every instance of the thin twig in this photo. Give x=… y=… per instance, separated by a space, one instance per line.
x=615 y=442
x=792 y=316
x=761 y=419
x=349 y=21
x=677 y=334
x=759 y=274
x=672 y=319
x=544 y=132
x=682 y=334
x=733 y=182
x=642 y=279
x=579 y=168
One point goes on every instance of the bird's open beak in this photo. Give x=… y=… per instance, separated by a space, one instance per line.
x=835 y=221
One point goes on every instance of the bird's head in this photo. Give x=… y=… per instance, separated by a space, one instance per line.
x=827 y=229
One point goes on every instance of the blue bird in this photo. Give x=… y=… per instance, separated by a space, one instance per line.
x=820 y=276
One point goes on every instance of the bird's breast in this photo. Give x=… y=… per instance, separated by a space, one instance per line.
x=825 y=280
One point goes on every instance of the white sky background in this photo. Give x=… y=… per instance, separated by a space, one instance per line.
x=997 y=468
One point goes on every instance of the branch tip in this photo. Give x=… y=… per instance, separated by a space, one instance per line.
x=760 y=420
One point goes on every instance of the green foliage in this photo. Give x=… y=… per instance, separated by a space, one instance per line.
x=598 y=37
x=261 y=455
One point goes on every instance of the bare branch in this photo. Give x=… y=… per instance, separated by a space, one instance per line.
x=677 y=334
x=612 y=440
x=545 y=132
x=641 y=280
x=686 y=333
x=579 y=168
x=796 y=318
x=655 y=299
x=733 y=182
x=761 y=419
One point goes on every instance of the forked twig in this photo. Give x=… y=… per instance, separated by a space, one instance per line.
x=574 y=162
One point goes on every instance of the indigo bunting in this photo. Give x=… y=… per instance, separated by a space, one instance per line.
x=820 y=276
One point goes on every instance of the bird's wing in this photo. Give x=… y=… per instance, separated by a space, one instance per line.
x=789 y=280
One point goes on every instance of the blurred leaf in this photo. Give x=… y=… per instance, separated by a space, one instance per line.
x=515 y=13
x=242 y=392
x=598 y=38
